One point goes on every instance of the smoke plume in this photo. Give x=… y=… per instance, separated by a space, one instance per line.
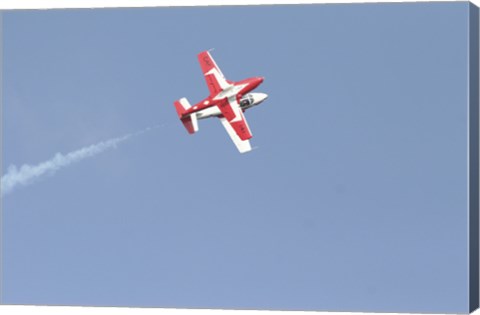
x=27 y=174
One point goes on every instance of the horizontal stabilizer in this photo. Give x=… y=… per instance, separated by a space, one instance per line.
x=190 y=121
x=182 y=106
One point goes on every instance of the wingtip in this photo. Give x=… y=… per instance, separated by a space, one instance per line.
x=247 y=149
x=203 y=52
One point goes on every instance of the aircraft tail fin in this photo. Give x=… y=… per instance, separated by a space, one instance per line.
x=189 y=121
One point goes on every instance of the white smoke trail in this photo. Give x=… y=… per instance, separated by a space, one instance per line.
x=27 y=174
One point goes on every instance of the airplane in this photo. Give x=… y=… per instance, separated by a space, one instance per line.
x=227 y=101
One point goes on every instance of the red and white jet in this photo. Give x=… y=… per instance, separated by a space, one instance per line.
x=227 y=101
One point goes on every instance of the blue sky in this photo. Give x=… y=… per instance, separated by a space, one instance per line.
x=354 y=200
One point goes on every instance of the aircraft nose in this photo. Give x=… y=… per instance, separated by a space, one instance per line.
x=259 y=97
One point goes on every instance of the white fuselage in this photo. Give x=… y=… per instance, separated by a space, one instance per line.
x=247 y=101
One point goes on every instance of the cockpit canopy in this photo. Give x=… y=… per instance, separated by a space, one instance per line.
x=247 y=100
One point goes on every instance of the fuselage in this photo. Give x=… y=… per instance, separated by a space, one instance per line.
x=247 y=101
x=209 y=106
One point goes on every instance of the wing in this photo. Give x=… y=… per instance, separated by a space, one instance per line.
x=234 y=115
x=242 y=145
x=216 y=82
x=235 y=124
